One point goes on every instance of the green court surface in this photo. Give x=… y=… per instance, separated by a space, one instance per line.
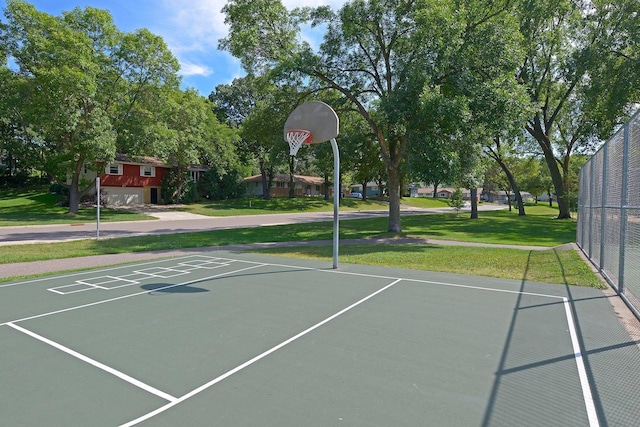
x=233 y=339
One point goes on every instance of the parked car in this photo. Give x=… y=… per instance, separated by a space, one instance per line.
x=355 y=195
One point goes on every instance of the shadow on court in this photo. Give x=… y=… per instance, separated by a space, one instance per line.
x=166 y=288
x=605 y=366
x=254 y=340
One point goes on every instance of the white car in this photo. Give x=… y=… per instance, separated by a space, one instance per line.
x=355 y=195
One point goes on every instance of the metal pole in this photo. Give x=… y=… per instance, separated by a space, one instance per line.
x=603 y=217
x=98 y=207
x=336 y=199
x=591 y=190
x=623 y=208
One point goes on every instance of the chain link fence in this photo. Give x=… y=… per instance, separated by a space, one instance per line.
x=608 y=229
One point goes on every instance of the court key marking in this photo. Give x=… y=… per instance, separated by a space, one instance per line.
x=107 y=283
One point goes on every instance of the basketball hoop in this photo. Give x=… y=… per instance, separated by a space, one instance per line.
x=297 y=137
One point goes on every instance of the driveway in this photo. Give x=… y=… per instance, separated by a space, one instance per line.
x=169 y=222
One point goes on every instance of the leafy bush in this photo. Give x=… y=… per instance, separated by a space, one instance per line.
x=213 y=186
x=58 y=189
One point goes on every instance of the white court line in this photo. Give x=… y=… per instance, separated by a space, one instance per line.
x=119 y=266
x=64 y=310
x=255 y=359
x=592 y=414
x=431 y=282
x=582 y=372
x=95 y=363
x=56 y=289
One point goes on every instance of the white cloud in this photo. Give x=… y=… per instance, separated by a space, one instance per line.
x=196 y=25
x=190 y=69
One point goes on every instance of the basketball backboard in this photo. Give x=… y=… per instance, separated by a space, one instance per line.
x=316 y=117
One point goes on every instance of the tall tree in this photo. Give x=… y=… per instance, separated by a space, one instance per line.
x=189 y=133
x=80 y=88
x=250 y=103
x=380 y=55
x=571 y=48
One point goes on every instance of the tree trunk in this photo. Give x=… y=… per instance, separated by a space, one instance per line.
x=74 y=195
x=74 y=191
x=558 y=185
x=556 y=176
x=514 y=187
x=364 y=190
x=266 y=193
x=393 y=173
x=435 y=190
x=474 y=203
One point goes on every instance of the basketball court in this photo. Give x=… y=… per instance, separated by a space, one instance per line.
x=224 y=338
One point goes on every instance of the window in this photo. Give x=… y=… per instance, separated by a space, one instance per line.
x=280 y=184
x=317 y=188
x=195 y=175
x=147 y=171
x=113 y=169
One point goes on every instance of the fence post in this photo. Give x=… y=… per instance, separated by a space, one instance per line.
x=591 y=182
x=623 y=206
x=603 y=217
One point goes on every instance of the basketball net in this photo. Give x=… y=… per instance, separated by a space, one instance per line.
x=296 y=138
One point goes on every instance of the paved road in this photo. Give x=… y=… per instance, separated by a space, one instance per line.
x=178 y=222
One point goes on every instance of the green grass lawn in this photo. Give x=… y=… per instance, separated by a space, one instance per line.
x=424 y=202
x=37 y=206
x=256 y=206
x=551 y=266
x=537 y=228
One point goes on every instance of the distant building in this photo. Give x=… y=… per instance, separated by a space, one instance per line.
x=372 y=189
x=304 y=185
x=443 y=192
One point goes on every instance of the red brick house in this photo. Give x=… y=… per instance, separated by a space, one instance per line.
x=133 y=181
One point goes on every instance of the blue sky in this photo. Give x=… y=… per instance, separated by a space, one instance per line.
x=191 y=29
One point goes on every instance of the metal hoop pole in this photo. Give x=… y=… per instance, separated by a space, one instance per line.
x=336 y=199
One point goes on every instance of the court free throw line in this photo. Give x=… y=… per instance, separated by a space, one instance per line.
x=116 y=267
x=95 y=363
x=255 y=359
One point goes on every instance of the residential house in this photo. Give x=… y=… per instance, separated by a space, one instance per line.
x=372 y=189
x=133 y=180
x=304 y=185
x=443 y=192
x=130 y=180
x=501 y=197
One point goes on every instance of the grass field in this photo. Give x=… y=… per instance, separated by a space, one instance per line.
x=253 y=206
x=38 y=206
x=551 y=266
x=537 y=228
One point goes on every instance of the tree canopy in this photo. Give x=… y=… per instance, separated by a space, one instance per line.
x=381 y=56
x=78 y=90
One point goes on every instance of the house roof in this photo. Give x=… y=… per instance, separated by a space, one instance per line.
x=282 y=177
x=427 y=190
x=154 y=161
x=140 y=160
